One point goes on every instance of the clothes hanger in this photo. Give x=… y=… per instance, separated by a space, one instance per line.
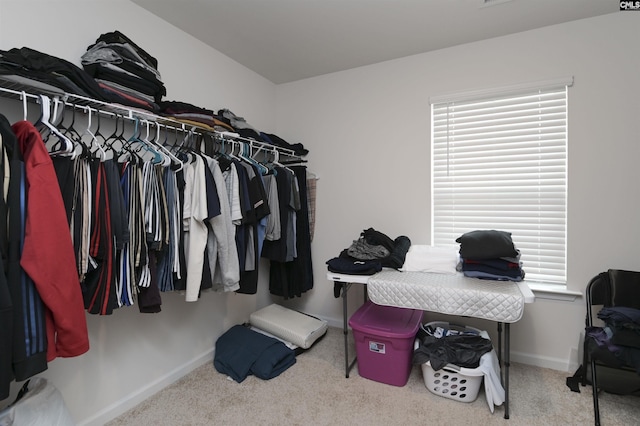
x=173 y=147
x=165 y=143
x=100 y=153
x=64 y=145
x=172 y=158
x=247 y=148
x=221 y=143
x=276 y=161
x=232 y=155
x=152 y=143
x=219 y=147
x=179 y=150
x=103 y=140
x=184 y=147
x=218 y=150
x=59 y=112
x=135 y=140
x=122 y=153
x=147 y=146
x=229 y=137
x=42 y=122
x=209 y=149
x=23 y=96
x=262 y=167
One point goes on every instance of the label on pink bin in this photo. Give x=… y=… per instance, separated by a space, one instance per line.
x=377 y=347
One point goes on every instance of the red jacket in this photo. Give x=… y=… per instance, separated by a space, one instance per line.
x=47 y=255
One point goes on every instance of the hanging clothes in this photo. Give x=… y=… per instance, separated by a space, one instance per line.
x=47 y=253
x=180 y=272
x=242 y=231
x=139 y=228
x=139 y=249
x=80 y=224
x=312 y=185
x=276 y=250
x=6 y=307
x=125 y=277
x=293 y=276
x=25 y=347
x=152 y=222
x=117 y=208
x=253 y=214
x=99 y=289
x=232 y=184
x=168 y=261
x=221 y=248
x=195 y=213
x=303 y=268
x=272 y=227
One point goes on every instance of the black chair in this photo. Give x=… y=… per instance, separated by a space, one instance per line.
x=605 y=370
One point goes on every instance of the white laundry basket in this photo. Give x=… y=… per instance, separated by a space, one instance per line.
x=452 y=381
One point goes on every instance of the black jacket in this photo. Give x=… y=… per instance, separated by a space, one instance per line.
x=51 y=70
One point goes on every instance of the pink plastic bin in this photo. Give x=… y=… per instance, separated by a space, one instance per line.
x=384 y=338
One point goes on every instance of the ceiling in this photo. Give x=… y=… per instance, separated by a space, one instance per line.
x=289 y=40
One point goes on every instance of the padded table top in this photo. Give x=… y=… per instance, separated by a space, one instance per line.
x=452 y=294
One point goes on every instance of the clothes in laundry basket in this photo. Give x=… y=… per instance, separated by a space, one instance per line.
x=241 y=352
x=461 y=350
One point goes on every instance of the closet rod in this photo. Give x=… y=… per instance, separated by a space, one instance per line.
x=89 y=108
x=22 y=91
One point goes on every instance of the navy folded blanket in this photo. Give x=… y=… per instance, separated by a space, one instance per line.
x=241 y=351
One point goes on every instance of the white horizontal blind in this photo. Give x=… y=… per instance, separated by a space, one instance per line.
x=500 y=162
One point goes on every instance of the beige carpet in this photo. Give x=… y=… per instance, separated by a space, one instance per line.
x=315 y=391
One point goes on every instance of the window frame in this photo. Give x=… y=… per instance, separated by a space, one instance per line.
x=557 y=268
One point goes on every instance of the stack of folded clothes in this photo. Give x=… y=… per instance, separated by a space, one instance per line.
x=275 y=140
x=244 y=129
x=370 y=253
x=490 y=255
x=46 y=72
x=194 y=115
x=241 y=352
x=620 y=335
x=239 y=125
x=122 y=69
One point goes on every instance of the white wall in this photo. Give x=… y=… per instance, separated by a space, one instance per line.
x=368 y=131
x=133 y=355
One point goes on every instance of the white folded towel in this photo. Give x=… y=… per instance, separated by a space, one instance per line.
x=424 y=258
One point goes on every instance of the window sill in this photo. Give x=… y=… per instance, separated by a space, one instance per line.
x=553 y=292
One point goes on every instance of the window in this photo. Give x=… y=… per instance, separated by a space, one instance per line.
x=500 y=162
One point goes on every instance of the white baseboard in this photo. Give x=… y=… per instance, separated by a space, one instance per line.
x=558 y=364
x=135 y=398
x=333 y=322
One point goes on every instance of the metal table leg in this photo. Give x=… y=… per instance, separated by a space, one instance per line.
x=504 y=360
x=500 y=349
x=348 y=365
x=507 y=363
x=345 y=328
